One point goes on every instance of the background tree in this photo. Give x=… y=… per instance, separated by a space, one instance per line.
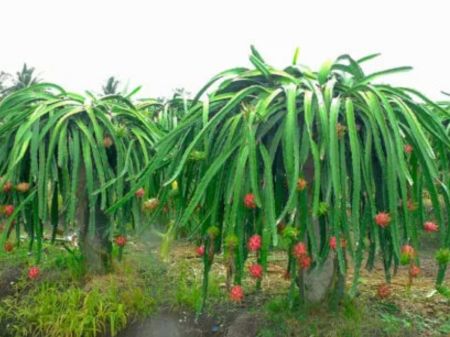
x=23 y=79
x=111 y=86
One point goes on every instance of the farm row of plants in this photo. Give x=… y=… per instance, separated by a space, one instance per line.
x=326 y=165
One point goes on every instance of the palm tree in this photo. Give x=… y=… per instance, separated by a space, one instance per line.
x=24 y=79
x=111 y=87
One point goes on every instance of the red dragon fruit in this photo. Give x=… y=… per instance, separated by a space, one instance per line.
x=140 y=193
x=33 y=273
x=382 y=219
x=107 y=142
x=121 y=240
x=8 y=247
x=333 y=242
x=254 y=243
x=8 y=210
x=301 y=184
x=200 y=250
x=300 y=250
x=256 y=270
x=236 y=293
x=304 y=262
x=249 y=200
x=414 y=271
x=430 y=227
x=7 y=187
x=408 y=251
x=384 y=290
x=408 y=148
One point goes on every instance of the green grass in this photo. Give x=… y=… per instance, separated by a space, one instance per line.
x=67 y=302
x=53 y=311
x=354 y=319
x=185 y=287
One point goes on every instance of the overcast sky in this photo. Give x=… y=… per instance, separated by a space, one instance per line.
x=167 y=44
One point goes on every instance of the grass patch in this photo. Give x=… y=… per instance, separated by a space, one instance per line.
x=67 y=302
x=50 y=310
x=353 y=319
x=185 y=285
x=61 y=304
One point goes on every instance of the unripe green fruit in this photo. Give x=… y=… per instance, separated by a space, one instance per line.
x=290 y=233
x=213 y=231
x=405 y=259
x=231 y=241
x=443 y=256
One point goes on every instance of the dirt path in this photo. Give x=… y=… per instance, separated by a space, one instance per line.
x=234 y=323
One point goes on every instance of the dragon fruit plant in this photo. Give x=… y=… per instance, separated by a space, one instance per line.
x=332 y=161
x=65 y=158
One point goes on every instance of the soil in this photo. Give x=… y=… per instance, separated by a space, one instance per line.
x=232 y=323
x=8 y=277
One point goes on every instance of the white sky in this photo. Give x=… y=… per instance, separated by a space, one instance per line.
x=174 y=43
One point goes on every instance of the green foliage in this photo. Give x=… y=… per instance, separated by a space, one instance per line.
x=444 y=291
x=76 y=154
x=186 y=291
x=62 y=265
x=260 y=130
x=291 y=156
x=72 y=262
x=63 y=303
x=445 y=328
x=356 y=319
x=314 y=320
x=60 y=303
x=52 y=310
